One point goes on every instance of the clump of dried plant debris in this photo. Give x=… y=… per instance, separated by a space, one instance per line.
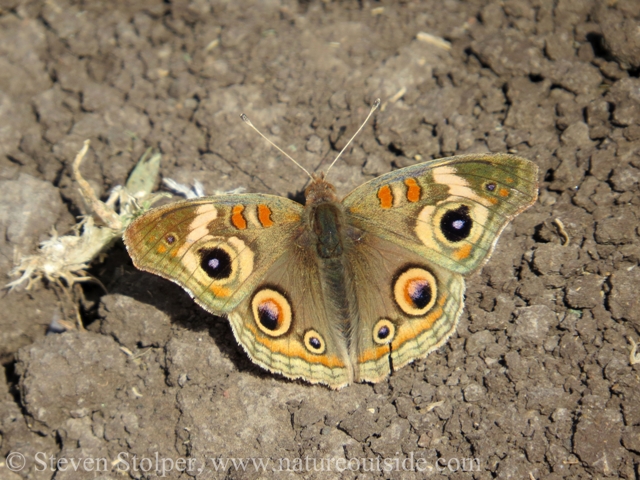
x=63 y=260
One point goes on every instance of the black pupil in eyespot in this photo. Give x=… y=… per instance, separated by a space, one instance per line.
x=456 y=224
x=383 y=332
x=170 y=239
x=268 y=315
x=420 y=293
x=216 y=263
x=491 y=187
x=315 y=343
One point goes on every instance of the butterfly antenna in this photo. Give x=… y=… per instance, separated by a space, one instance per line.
x=246 y=120
x=376 y=104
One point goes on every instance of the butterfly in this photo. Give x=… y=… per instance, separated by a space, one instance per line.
x=340 y=290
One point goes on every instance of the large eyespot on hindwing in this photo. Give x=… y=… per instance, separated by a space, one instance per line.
x=384 y=331
x=415 y=291
x=271 y=312
x=314 y=342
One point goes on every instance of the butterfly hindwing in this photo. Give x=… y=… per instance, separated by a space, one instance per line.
x=407 y=306
x=286 y=324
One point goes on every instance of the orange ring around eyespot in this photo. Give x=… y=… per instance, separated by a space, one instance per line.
x=402 y=294
x=272 y=299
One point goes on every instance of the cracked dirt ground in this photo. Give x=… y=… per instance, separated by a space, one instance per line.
x=536 y=383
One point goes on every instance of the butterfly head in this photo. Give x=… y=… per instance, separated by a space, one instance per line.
x=320 y=191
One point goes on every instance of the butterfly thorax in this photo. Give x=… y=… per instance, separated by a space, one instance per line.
x=325 y=217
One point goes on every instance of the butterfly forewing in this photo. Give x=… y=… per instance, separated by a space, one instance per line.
x=451 y=211
x=216 y=248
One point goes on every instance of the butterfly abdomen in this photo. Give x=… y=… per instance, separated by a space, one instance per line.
x=326 y=225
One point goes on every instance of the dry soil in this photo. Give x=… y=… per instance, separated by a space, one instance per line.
x=536 y=383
